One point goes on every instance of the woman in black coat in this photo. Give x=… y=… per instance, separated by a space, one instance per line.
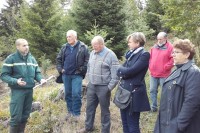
x=132 y=74
x=180 y=99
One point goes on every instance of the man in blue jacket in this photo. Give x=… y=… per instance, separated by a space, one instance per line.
x=72 y=63
x=20 y=70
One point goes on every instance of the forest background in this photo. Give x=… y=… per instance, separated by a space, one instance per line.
x=44 y=24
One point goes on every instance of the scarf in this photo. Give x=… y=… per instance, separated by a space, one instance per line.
x=130 y=53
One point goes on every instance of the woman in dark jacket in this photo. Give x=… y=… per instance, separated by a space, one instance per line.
x=180 y=99
x=132 y=74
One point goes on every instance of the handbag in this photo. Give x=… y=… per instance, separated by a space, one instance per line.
x=59 y=78
x=122 y=97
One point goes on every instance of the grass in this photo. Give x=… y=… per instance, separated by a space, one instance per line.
x=51 y=117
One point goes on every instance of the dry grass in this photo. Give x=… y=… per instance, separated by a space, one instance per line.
x=51 y=118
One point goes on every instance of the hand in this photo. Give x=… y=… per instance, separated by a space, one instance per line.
x=43 y=81
x=20 y=82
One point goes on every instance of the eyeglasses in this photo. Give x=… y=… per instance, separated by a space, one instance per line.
x=176 y=52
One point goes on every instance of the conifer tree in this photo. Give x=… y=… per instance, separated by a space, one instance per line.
x=135 y=21
x=8 y=26
x=41 y=24
x=109 y=16
x=8 y=17
x=154 y=11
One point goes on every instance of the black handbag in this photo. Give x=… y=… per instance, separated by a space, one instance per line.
x=59 y=78
x=122 y=97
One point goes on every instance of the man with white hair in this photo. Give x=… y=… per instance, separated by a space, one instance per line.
x=20 y=70
x=72 y=63
x=102 y=78
x=160 y=65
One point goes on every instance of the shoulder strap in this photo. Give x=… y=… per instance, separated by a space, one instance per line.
x=102 y=64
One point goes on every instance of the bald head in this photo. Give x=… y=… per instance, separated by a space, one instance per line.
x=97 y=43
x=98 y=39
x=20 y=41
x=22 y=46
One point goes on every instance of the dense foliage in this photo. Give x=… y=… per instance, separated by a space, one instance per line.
x=135 y=20
x=44 y=22
x=154 y=11
x=183 y=17
x=41 y=24
x=108 y=15
x=8 y=26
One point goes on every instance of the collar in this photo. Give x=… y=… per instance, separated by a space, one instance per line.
x=177 y=71
x=161 y=47
x=22 y=56
x=102 y=52
x=72 y=46
x=135 y=52
x=187 y=65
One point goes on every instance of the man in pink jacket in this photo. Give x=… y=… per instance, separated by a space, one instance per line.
x=161 y=63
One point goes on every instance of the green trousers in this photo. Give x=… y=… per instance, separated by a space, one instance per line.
x=20 y=105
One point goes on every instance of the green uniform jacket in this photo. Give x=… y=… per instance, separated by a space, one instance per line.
x=17 y=66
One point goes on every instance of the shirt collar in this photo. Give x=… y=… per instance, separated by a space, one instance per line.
x=101 y=53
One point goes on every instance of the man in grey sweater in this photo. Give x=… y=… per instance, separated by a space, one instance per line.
x=102 y=79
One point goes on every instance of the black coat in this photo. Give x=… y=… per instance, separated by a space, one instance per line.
x=180 y=102
x=82 y=57
x=133 y=73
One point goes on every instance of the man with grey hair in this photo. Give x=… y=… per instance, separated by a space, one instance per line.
x=71 y=62
x=160 y=65
x=102 y=78
x=20 y=70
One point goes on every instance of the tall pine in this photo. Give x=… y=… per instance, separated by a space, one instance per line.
x=109 y=16
x=135 y=21
x=41 y=24
x=8 y=26
x=8 y=17
x=154 y=11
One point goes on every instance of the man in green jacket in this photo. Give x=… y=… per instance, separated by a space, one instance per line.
x=20 y=70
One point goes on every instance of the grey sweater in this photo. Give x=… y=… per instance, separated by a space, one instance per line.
x=102 y=68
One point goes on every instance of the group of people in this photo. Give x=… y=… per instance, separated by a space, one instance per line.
x=179 y=110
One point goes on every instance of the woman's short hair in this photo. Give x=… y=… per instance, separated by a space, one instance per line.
x=185 y=45
x=137 y=37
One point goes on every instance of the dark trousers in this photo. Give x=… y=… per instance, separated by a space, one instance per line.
x=130 y=121
x=98 y=94
x=20 y=105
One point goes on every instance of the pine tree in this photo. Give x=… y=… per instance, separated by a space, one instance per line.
x=8 y=17
x=108 y=15
x=8 y=26
x=135 y=21
x=41 y=24
x=154 y=11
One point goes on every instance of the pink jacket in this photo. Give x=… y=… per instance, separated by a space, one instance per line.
x=161 y=61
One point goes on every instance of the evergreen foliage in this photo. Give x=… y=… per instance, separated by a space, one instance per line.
x=183 y=17
x=179 y=18
x=8 y=26
x=135 y=21
x=108 y=15
x=8 y=17
x=41 y=24
x=154 y=10
x=94 y=31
